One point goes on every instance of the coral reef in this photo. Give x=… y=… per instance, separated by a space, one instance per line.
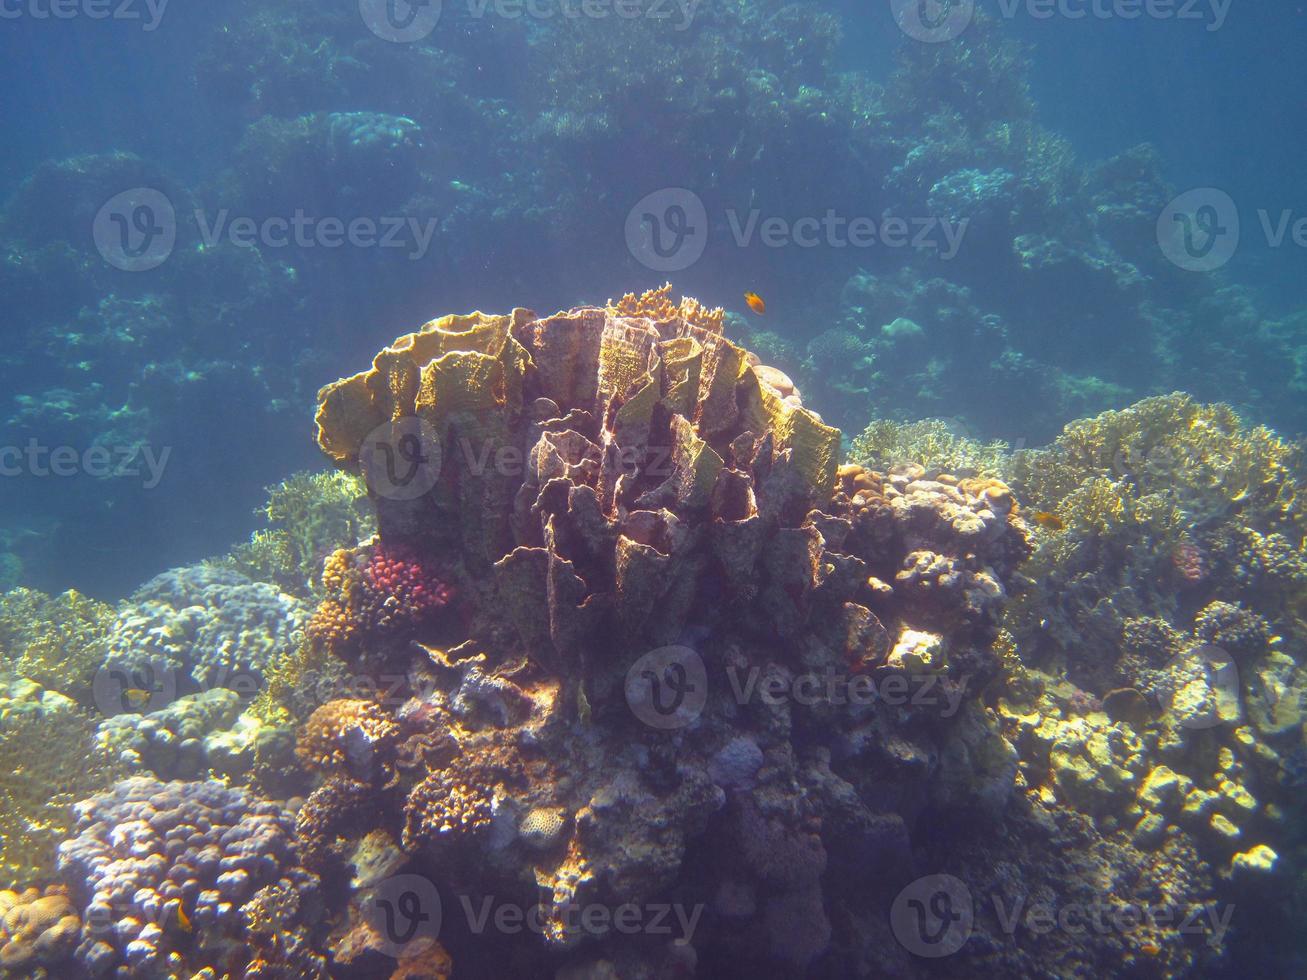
x=612 y=481
x=308 y=517
x=153 y=862
x=54 y=641
x=211 y=626
x=50 y=761
x=39 y=929
x=198 y=735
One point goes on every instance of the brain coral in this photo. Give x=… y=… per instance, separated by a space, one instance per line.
x=212 y=625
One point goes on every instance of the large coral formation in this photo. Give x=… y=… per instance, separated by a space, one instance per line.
x=609 y=481
x=39 y=928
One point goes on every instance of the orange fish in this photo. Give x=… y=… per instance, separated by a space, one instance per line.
x=1048 y=520
x=1150 y=949
x=755 y=303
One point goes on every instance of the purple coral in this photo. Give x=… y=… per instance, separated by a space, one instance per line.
x=145 y=849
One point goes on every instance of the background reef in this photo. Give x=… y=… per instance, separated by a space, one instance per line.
x=488 y=135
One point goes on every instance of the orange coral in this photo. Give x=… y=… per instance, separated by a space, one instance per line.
x=348 y=734
x=656 y=304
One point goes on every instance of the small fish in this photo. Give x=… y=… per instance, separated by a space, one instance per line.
x=1150 y=949
x=184 y=920
x=135 y=698
x=755 y=303
x=1047 y=520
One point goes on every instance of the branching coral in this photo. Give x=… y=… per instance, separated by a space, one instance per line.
x=379 y=589
x=932 y=443
x=54 y=641
x=309 y=516
x=50 y=760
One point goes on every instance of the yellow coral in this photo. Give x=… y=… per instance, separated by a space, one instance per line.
x=931 y=443
x=308 y=514
x=54 y=641
x=656 y=304
x=51 y=760
x=326 y=739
